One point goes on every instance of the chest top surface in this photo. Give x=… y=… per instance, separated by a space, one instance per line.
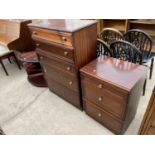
x=65 y=25
x=114 y=71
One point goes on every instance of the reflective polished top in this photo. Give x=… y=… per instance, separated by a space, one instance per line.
x=66 y=25
x=117 y=72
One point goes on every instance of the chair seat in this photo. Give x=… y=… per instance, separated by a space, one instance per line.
x=4 y=50
x=147 y=58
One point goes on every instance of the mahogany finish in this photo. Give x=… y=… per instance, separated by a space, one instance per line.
x=15 y=35
x=63 y=47
x=148 y=123
x=111 y=90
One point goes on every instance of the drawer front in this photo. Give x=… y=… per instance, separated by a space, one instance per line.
x=67 y=94
x=55 y=62
x=105 y=99
x=103 y=117
x=50 y=51
x=66 y=79
x=52 y=36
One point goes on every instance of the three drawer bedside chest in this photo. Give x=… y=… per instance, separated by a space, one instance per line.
x=111 y=91
x=63 y=47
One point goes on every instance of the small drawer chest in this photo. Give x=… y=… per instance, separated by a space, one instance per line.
x=111 y=91
x=63 y=47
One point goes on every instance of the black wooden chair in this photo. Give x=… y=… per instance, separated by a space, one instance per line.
x=144 y=43
x=110 y=35
x=126 y=51
x=102 y=48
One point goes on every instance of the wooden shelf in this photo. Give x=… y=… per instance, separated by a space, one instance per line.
x=143 y=21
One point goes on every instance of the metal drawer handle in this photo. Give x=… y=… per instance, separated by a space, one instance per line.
x=64 y=38
x=99 y=114
x=38 y=45
x=65 y=53
x=70 y=83
x=68 y=68
x=100 y=86
x=100 y=99
x=34 y=32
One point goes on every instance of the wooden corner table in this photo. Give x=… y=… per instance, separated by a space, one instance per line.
x=111 y=91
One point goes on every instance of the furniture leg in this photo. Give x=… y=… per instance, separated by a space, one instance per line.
x=10 y=60
x=144 y=87
x=16 y=61
x=151 y=67
x=4 y=67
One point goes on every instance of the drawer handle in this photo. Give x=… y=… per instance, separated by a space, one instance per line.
x=100 y=86
x=45 y=70
x=70 y=83
x=68 y=68
x=100 y=99
x=64 y=38
x=38 y=45
x=99 y=114
x=66 y=53
x=34 y=32
x=41 y=57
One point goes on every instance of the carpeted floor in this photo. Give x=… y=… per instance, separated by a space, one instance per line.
x=26 y=109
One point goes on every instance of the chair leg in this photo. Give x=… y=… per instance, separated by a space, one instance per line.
x=151 y=67
x=4 y=67
x=144 y=87
x=10 y=60
x=16 y=61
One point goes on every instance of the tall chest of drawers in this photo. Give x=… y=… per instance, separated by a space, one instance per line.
x=111 y=91
x=64 y=46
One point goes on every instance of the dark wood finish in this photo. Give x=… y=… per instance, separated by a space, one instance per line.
x=15 y=35
x=126 y=51
x=143 y=42
x=6 y=56
x=30 y=62
x=146 y=25
x=63 y=47
x=111 y=90
x=103 y=48
x=148 y=123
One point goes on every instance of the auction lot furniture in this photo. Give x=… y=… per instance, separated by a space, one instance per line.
x=148 y=123
x=14 y=35
x=111 y=90
x=63 y=47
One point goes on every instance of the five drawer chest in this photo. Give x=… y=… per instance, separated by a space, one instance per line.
x=63 y=47
x=111 y=91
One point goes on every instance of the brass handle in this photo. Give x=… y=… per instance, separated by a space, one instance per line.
x=64 y=38
x=41 y=57
x=100 y=99
x=34 y=32
x=100 y=86
x=99 y=114
x=45 y=70
x=65 y=53
x=38 y=45
x=70 y=83
x=68 y=68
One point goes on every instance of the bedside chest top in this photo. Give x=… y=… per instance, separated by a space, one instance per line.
x=120 y=73
x=64 y=25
